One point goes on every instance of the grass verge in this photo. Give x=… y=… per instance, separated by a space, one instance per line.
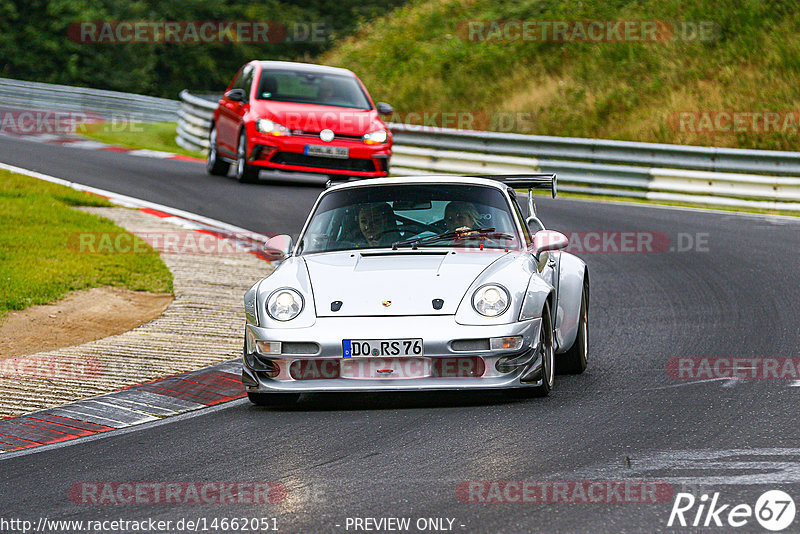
x=679 y=88
x=137 y=135
x=39 y=264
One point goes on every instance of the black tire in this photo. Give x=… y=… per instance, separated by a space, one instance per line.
x=547 y=348
x=575 y=360
x=214 y=165
x=245 y=173
x=273 y=399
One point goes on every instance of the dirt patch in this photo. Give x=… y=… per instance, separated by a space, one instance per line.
x=82 y=316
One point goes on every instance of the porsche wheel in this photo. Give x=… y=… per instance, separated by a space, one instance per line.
x=273 y=399
x=214 y=165
x=245 y=173
x=575 y=360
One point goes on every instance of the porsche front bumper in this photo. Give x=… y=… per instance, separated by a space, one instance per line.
x=444 y=340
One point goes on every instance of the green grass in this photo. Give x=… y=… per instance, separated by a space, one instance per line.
x=138 y=135
x=418 y=58
x=39 y=258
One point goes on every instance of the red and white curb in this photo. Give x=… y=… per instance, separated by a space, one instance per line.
x=131 y=406
x=76 y=141
x=146 y=402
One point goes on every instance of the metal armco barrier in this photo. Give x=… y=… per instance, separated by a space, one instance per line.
x=194 y=120
x=762 y=179
x=26 y=95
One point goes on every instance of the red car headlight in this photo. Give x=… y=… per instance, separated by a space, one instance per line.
x=270 y=127
x=376 y=137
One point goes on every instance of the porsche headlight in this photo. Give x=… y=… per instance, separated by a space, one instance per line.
x=284 y=304
x=376 y=137
x=270 y=127
x=491 y=300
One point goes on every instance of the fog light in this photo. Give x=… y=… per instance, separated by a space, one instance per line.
x=262 y=152
x=268 y=347
x=506 y=343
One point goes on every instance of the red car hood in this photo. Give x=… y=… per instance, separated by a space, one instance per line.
x=315 y=118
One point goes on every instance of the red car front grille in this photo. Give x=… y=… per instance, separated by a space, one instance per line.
x=303 y=160
x=303 y=133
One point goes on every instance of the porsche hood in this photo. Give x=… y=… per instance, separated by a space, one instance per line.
x=392 y=283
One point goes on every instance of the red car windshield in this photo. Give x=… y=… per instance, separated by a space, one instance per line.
x=311 y=88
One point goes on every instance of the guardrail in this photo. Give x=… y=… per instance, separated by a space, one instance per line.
x=108 y=104
x=760 y=179
x=194 y=120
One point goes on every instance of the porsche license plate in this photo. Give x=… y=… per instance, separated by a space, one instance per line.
x=326 y=151
x=361 y=348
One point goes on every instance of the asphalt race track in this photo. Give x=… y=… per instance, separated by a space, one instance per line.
x=735 y=295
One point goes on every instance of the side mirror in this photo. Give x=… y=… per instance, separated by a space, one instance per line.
x=280 y=244
x=549 y=240
x=237 y=95
x=533 y=222
x=385 y=109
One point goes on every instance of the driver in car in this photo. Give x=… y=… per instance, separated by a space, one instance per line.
x=377 y=224
x=459 y=215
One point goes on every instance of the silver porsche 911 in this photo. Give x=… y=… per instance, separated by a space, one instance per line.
x=418 y=283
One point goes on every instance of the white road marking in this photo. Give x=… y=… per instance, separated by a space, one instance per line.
x=690 y=383
x=88 y=145
x=771 y=466
x=732 y=382
x=151 y=153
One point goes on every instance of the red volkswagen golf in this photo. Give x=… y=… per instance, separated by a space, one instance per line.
x=298 y=117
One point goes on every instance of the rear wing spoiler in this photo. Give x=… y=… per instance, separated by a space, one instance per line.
x=530 y=182
x=542 y=180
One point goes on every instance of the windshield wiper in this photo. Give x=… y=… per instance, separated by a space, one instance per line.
x=444 y=236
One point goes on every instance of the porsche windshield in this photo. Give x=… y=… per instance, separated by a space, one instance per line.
x=440 y=215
